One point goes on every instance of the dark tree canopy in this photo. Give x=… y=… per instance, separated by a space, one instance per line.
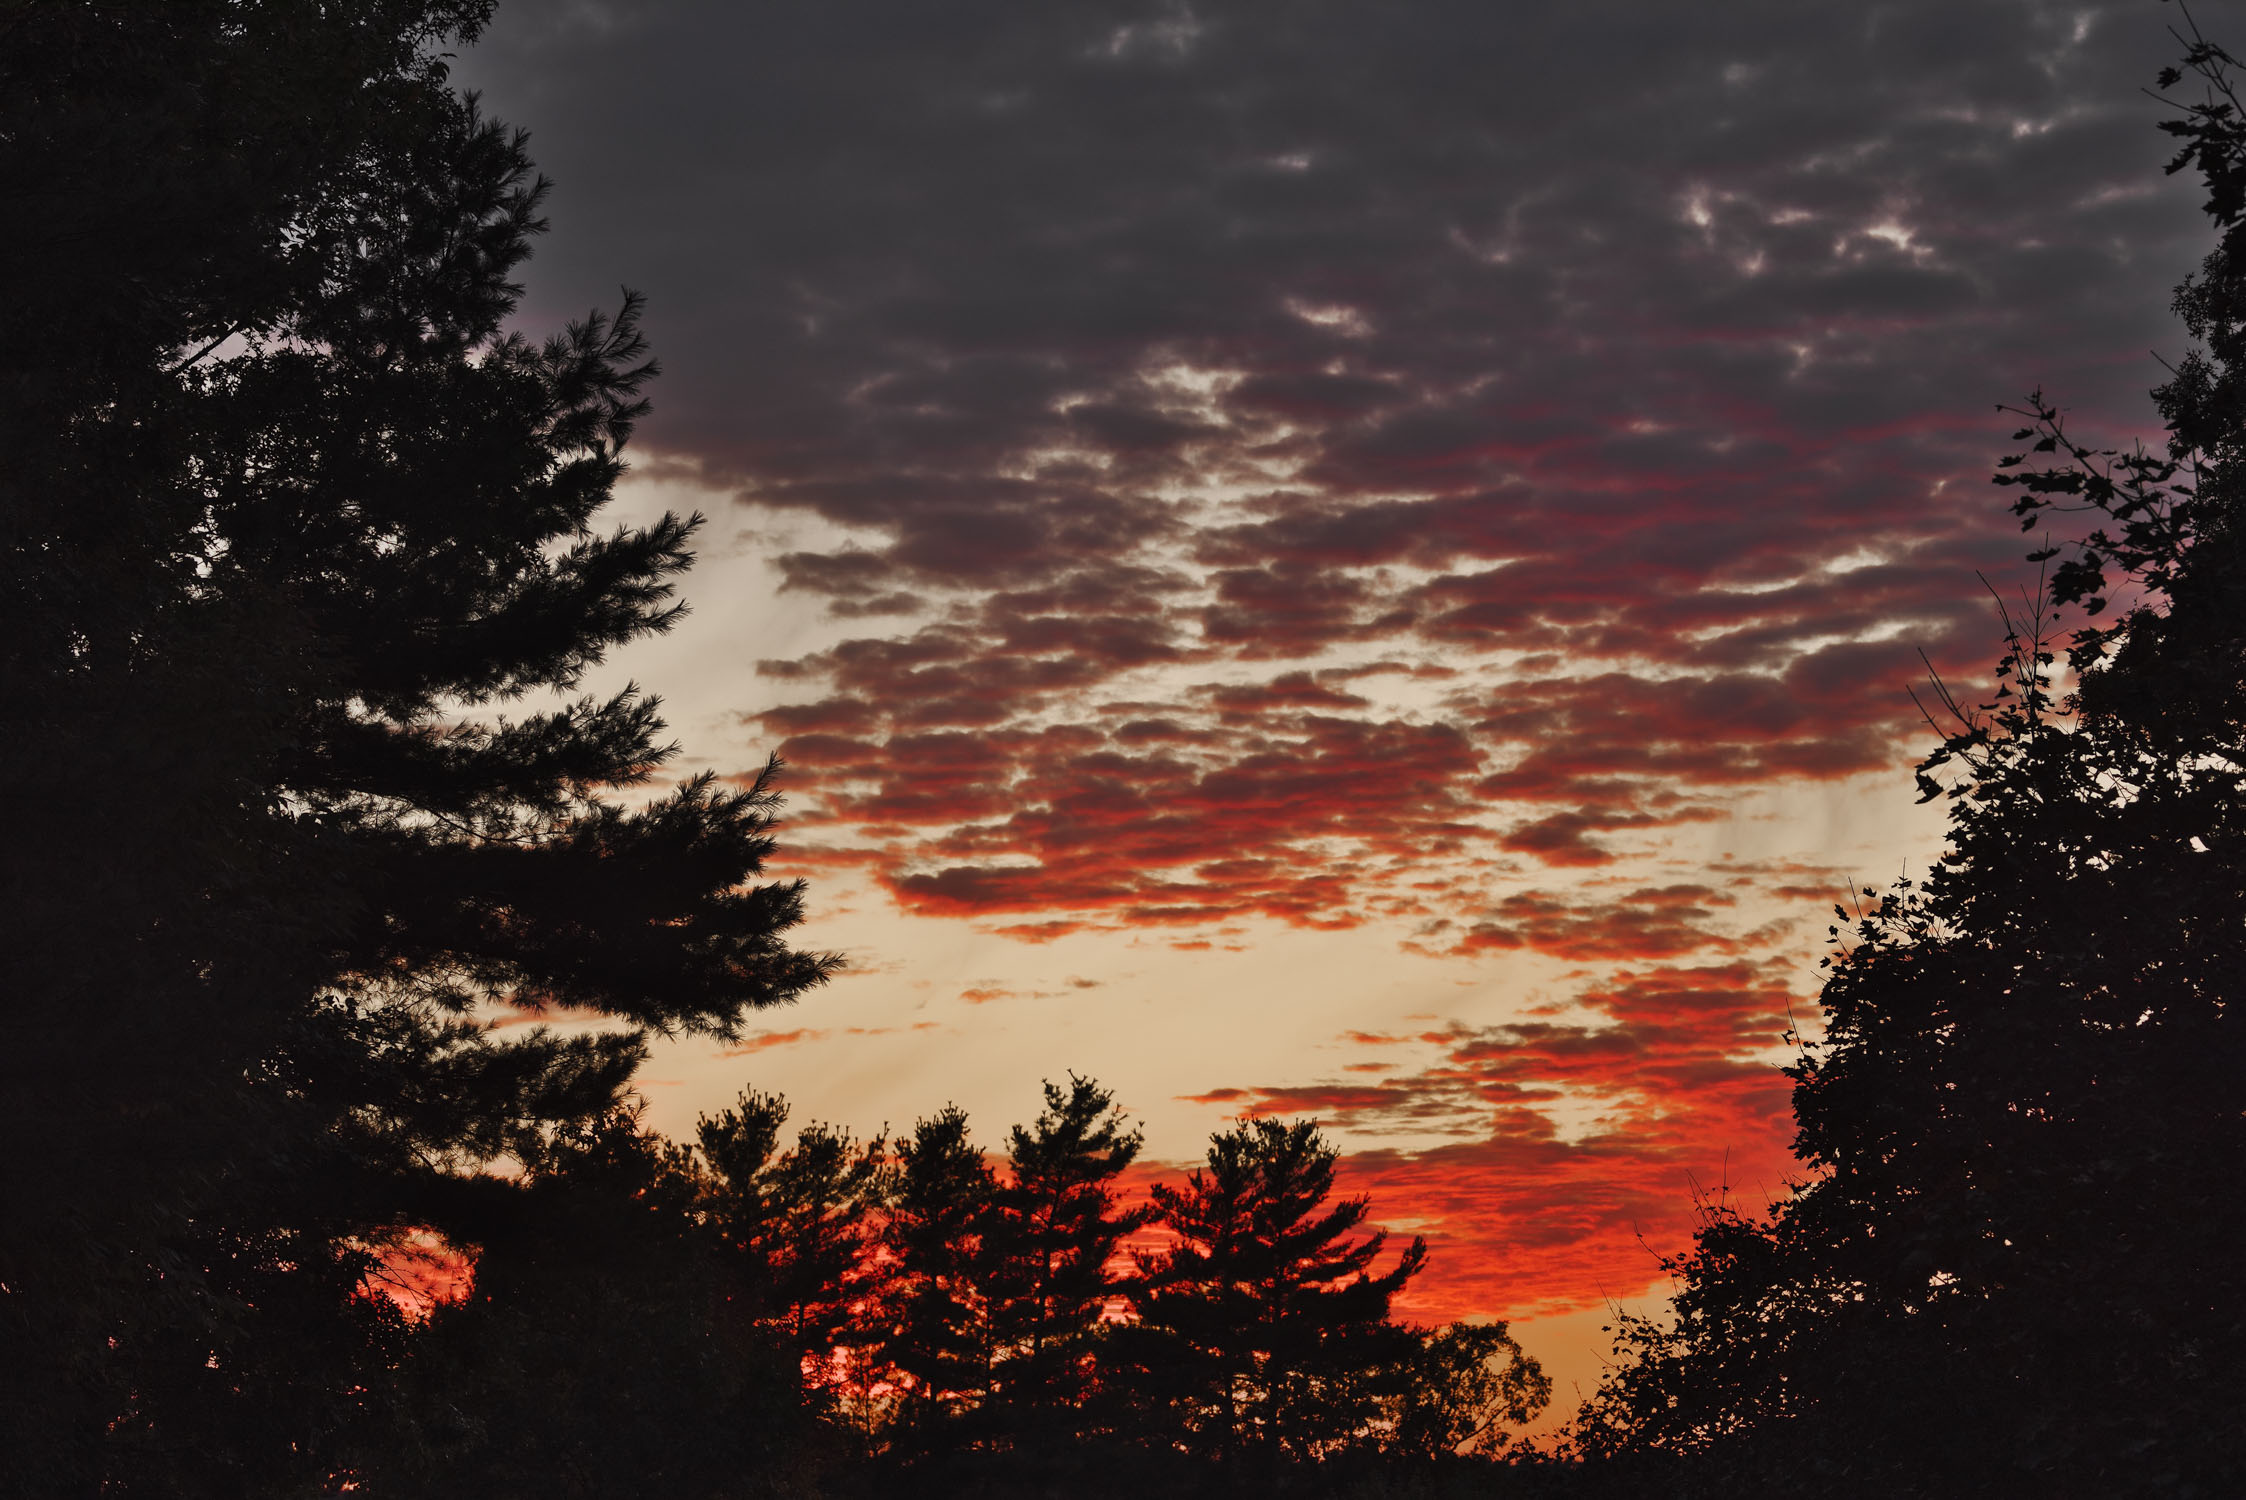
x=1263 y=1325
x=2016 y=1267
x=1051 y=1250
x=798 y=1225
x=290 y=524
x=729 y=1318
x=601 y=1353
x=934 y=1328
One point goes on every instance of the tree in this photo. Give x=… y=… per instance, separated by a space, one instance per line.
x=153 y=165
x=1259 y=1328
x=934 y=1315
x=603 y=1350
x=1464 y=1388
x=798 y=1226
x=1055 y=1231
x=2016 y=1266
x=288 y=519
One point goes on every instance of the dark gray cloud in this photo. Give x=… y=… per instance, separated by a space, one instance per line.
x=896 y=249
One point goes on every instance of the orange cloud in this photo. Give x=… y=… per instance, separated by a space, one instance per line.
x=764 y=1041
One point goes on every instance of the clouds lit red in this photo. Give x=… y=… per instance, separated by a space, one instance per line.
x=1276 y=473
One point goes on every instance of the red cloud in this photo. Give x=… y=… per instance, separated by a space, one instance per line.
x=1651 y=922
x=1287 y=690
x=1671 y=1071
x=1291 y=798
x=1623 y=615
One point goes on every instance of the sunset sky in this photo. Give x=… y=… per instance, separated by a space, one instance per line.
x=1355 y=560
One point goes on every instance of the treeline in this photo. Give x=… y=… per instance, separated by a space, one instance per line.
x=938 y=1314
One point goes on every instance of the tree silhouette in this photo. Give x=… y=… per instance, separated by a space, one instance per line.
x=799 y=1225
x=1262 y=1327
x=154 y=162
x=934 y=1314
x=1054 y=1232
x=604 y=1350
x=1464 y=1389
x=2016 y=1268
x=289 y=520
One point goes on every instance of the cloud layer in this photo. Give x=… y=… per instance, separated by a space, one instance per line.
x=1342 y=464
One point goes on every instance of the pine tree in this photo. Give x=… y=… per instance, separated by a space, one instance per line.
x=1053 y=1236
x=799 y=1226
x=935 y=1316
x=290 y=520
x=1260 y=1328
x=162 y=173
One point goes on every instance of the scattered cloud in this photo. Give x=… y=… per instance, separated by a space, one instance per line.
x=764 y=1041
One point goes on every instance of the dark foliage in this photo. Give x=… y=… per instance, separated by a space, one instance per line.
x=960 y=1328
x=932 y=1314
x=1262 y=1326
x=1050 y=1248
x=2016 y=1269
x=799 y=1231
x=286 y=517
x=604 y=1350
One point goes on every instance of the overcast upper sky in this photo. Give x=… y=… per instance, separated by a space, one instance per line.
x=1352 y=559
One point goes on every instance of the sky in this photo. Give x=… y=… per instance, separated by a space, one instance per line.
x=1364 y=561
